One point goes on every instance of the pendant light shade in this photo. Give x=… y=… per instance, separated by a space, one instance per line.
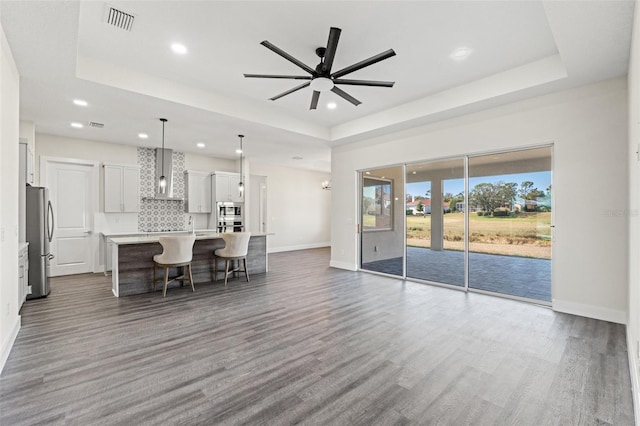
x=162 y=182
x=241 y=183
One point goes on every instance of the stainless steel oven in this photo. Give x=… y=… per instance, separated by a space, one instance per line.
x=230 y=217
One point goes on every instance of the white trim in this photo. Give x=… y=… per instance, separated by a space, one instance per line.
x=299 y=247
x=343 y=265
x=8 y=344
x=590 y=311
x=633 y=370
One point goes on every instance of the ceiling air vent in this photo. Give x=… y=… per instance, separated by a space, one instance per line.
x=119 y=19
x=96 y=125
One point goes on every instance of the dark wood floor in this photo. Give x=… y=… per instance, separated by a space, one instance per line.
x=309 y=344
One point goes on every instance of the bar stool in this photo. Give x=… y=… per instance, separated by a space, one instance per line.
x=236 y=246
x=177 y=251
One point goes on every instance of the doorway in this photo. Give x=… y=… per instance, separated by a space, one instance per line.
x=73 y=191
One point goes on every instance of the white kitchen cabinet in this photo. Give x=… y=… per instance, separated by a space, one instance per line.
x=121 y=188
x=23 y=274
x=27 y=163
x=198 y=189
x=226 y=187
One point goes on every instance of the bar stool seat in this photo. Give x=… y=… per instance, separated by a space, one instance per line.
x=236 y=246
x=177 y=251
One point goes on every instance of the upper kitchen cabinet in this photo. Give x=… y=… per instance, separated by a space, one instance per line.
x=121 y=188
x=198 y=189
x=27 y=163
x=226 y=187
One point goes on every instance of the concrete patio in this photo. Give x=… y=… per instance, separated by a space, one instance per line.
x=516 y=276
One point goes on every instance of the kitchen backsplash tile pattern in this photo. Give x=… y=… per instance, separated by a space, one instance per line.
x=160 y=215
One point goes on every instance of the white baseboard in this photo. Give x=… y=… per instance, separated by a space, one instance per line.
x=343 y=265
x=299 y=247
x=590 y=311
x=633 y=370
x=8 y=343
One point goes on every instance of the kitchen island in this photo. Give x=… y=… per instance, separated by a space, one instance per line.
x=132 y=261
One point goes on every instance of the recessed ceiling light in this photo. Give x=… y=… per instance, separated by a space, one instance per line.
x=367 y=173
x=460 y=53
x=143 y=135
x=332 y=105
x=414 y=172
x=200 y=145
x=80 y=102
x=297 y=158
x=238 y=151
x=77 y=125
x=179 y=48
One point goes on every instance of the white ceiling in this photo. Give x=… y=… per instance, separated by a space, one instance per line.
x=65 y=50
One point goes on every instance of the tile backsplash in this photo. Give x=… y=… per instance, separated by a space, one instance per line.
x=160 y=215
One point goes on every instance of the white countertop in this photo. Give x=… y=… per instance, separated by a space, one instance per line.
x=153 y=237
x=142 y=233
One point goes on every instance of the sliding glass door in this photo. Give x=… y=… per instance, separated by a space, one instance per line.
x=381 y=221
x=435 y=222
x=510 y=223
x=480 y=223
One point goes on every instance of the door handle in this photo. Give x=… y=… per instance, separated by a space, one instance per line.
x=87 y=232
x=50 y=225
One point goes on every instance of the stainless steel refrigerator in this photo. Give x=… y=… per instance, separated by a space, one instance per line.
x=39 y=233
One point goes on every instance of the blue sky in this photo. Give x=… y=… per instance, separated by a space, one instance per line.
x=541 y=180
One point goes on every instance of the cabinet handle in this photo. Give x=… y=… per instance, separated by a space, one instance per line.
x=21 y=271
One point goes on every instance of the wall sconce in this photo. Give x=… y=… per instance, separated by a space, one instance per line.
x=326 y=184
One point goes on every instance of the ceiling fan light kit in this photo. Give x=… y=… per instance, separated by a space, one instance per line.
x=321 y=79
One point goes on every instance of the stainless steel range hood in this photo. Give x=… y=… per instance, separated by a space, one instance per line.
x=164 y=164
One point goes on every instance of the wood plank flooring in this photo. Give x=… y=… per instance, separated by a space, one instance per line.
x=309 y=344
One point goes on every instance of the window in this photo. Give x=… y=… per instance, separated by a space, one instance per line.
x=377 y=205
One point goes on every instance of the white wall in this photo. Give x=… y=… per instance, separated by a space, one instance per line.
x=298 y=208
x=208 y=164
x=9 y=135
x=28 y=132
x=633 y=324
x=85 y=149
x=588 y=127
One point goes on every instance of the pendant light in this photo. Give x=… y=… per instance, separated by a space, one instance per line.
x=241 y=184
x=162 y=182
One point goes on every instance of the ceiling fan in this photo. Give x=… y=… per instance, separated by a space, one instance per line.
x=321 y=78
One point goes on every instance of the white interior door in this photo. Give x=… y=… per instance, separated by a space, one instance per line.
x=72 y=192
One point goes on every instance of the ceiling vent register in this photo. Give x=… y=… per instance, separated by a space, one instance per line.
x=119 y=19
x=96 y=125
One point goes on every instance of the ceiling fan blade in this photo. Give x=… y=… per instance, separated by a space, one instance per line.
x=332 y=45
x=372 y=60
x=345 y=95
x=287 y=56
x=314 y=99
x=293 y=77
x=365 y=83
x=302 y=86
